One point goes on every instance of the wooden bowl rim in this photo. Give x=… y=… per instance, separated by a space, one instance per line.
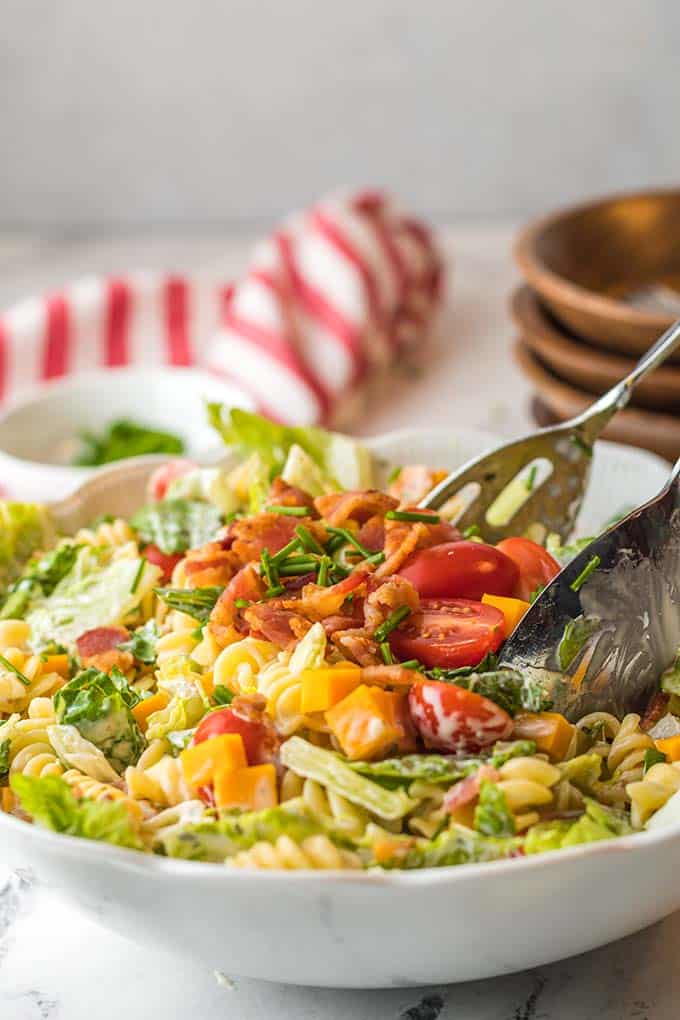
x=563 y=290
x=531 y=318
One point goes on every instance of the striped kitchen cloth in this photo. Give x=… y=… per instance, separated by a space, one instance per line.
x=331 y=299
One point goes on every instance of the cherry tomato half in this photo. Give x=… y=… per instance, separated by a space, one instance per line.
x=449 y=718
x=166 y=561
x=256 y=736
x=465 y=570
x=449 y=633
x=536 y=566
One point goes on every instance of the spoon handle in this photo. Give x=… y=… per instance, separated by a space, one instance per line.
x=594 y=419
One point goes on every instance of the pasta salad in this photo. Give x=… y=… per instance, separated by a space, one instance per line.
x=278 y=664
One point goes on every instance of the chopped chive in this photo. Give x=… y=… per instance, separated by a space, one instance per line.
x=269 y=569
x=652 y=757
x=307 y=566
x=308 y=541
x=349 y=537
x=581 y=444
x=277 y=589
x=411 y=664
x=394 y=474
x=242 y=603
x=412 y=515
x=13 y=669
x=222 y=695
x=338 y=573
x=472 y=531
x=393 y=620
x=324 y=564
x=376 y=558
x=335 y=543
x=386 y=653
x=535 y=593
x=197 y=634
x=531 y=478
x=289 y=511
x=138 y=576
x=592 y=565
x=286 y=551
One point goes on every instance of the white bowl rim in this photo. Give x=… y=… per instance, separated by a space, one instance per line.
x=177 y=867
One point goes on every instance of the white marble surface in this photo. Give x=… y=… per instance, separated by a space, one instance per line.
x=54 y=965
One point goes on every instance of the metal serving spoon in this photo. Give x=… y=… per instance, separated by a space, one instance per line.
x=606 y=627
x=541 y=477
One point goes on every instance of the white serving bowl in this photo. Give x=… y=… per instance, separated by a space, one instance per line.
x=372 y=929
x=33 y=429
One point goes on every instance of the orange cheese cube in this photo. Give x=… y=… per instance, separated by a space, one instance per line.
x=250 y=789
x=323 y=688
x=550 y=730
x=7 y=801
x=208 y=683
x=201 y=762
x=670 y=746
x=56 y=664
x=365 y=723
x=512 y=609
x=148 y=706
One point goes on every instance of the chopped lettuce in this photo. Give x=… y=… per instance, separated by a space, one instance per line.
x=506 y=687
x=218 y=839
x=142 y=643
x=40 y=577
x=99 y=705
x=196 y=602
x=212 y=485
x=81 y=754
x=456 y=845
x=176 y=525
x=583 y=771
x=333 y=772
x=4 y=756
x=596 y=823
x=493 y=816
x=303 y=472
x=437 y=768
x=180 y=715
x=310 y=651
x=24 y=528
x=50 y=802
x=97 y=592
x=341 y=461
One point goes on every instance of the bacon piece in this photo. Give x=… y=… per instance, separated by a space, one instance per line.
x=98 y=649
x=358 y=645
x=656 y=708
x=210 y=565
x=317 y=602
x=226 y=619
x=372 y=534
x=402 y=538
x=390 y=676
x=339 y=507
x=283 y=494
x=467 y=790
x=391 y=595
x=270 y=621
x=269 y=531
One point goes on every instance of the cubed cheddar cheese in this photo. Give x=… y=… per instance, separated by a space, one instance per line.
x=202 y=762
x=57 y=664
x=512 y=609
x=7 y=799
x=208 y=683
x=323 y=688
x=249 y=789
x=145 y=708
x=670 y=746
x=368 y=721
x=550 y=730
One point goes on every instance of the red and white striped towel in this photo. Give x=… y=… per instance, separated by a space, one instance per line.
x=332 y=297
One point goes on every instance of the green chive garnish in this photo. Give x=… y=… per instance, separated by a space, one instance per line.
x=535 y=593
x=242 y=603
x=324 y=564
x=376 y=558
x=278 y=589
x=289 y=511
x=349 y=537
x=411 y=664
x=292 y=546
x=471 y=531
x=581 y=444
x=138 y=576
x=589 y=568
x=13 y=669
x=269 y=570
x=652 y=757
x=412 y=515
x=308 y=541
x=393 y=475
x=531 y=478
x=386 y=653
x=301 y=566
x=393 y=620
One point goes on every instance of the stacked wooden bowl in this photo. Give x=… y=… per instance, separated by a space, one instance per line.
x=602 y=282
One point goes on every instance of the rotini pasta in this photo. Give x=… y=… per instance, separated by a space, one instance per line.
x=315 y=852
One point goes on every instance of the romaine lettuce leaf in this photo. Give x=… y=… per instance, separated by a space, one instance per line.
x=4 y=756
x=176 y=525
x=180 y=714
x=437 y=768
x=493 y=817
x=40 y=577
x=213 y=485
x=453 y=846
x=506 y=687
x=583 y=771
x=50 y=802
x=79 y=753
x=24 y=528
x=310 y=651
x=142 y=643
x=221 y=838
x=331 y=771
x=98 y=592
x=596 y=823
x=99 y=705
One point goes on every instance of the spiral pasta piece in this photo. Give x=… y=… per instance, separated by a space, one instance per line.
x=316 y=852
x=116 y=534
x=527 y=784
x=31 y=752
x=92 y=789
x=23 y=675
x=325 y=804
x=651 y=792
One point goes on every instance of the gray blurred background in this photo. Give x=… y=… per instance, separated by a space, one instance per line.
x=152 y=113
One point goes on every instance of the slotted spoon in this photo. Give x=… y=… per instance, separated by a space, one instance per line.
x=541 y=477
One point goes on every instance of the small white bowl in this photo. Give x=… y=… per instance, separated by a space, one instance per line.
x=34 y=429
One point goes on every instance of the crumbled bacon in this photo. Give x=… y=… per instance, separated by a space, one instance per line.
x=467 y=790
x=269 y=531
x=394 y=593
x=270 y=621
x=390 y=676
x=283 y=494
x=98 y=649
x=656 y=708
x=317 y=602
x=372 y=534
x=358 y=645
x=210 y=565
x=227 y=619
x=339 y=507
x=402 y=538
